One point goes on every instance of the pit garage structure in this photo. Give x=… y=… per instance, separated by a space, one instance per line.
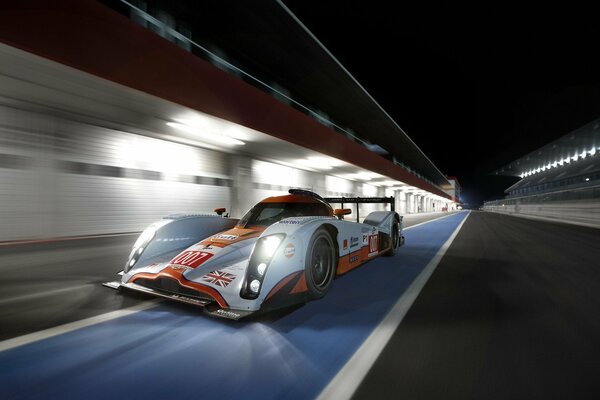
x=113 y=114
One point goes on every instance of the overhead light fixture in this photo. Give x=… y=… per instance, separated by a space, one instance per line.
x=363 y=176
x=315 y=162
x=205 y=134
x=386 y=183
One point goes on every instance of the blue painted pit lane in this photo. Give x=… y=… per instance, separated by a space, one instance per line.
x=173 y=351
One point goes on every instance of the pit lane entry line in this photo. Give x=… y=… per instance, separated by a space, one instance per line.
x=72 y=326
x=347 y=380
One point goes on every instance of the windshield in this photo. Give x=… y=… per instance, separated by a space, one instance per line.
x=265 y=214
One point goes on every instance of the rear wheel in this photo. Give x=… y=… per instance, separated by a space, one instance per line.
x=395 y=239
x=320 y=264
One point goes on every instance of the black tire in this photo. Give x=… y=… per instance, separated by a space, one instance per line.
x=395 y=240
x=320 y=264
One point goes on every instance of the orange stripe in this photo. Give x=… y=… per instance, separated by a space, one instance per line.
x=300 y=285
x=241 y=233
x=344 y=262
x=281 y=284
x=291 y=198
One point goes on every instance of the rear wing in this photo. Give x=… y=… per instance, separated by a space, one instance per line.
x=361 y=200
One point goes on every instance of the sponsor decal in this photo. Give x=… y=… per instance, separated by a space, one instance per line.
x=365 y=239
x=353 y=259
x=291 y=221
x=373 y=245
x=353 y=241
x=228 y=314
x=345 y=244
x=224 y=237
x=289 y=250
x=219 y=278
x=178 y=267
x=191 y=258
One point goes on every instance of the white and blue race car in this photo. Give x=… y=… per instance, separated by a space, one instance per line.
x=286 y=250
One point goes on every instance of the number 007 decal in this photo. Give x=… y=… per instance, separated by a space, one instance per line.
x=191 y=258
x=373 y=245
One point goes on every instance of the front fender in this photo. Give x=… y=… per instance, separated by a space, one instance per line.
x=164 y=239
x=288 y=259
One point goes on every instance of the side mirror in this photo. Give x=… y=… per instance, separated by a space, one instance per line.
x=220 y=211
x=340 y=212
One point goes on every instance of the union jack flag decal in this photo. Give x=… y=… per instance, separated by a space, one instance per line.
x=219 y=278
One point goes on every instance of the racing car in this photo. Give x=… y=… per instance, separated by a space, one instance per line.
x=286 y=250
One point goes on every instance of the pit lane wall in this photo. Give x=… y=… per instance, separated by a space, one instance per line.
x=578 y=206
x=61 y=177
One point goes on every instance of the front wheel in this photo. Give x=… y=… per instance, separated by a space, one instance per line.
x=319 y=266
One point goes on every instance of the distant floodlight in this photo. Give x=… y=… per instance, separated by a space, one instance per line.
x=587 y=179
x=592 y=151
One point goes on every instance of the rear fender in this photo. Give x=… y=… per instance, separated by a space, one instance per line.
x=384 y=221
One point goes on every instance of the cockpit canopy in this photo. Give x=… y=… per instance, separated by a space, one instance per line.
x=274 y=209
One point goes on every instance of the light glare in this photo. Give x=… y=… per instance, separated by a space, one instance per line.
x=255 y=285
x=270 y=244
x=261 y=268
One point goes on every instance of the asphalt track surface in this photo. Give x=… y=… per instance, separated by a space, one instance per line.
x=43 y=285
x=512 y=312
x=173 y=350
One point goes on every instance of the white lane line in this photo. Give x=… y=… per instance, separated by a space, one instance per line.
x=72 y=326
x=64 y=239
x=431 y=220
x=347 y=380
x=37 y=295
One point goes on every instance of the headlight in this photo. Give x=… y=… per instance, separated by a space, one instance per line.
x=141 y=243
x=269 y=245
x=263 y=252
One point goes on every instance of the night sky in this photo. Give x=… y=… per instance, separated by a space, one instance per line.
x=475 y=86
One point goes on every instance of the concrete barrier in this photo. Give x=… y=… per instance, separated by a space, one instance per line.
x=580 y=212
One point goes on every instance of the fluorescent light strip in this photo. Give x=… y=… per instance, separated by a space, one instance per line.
x=213 y=137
